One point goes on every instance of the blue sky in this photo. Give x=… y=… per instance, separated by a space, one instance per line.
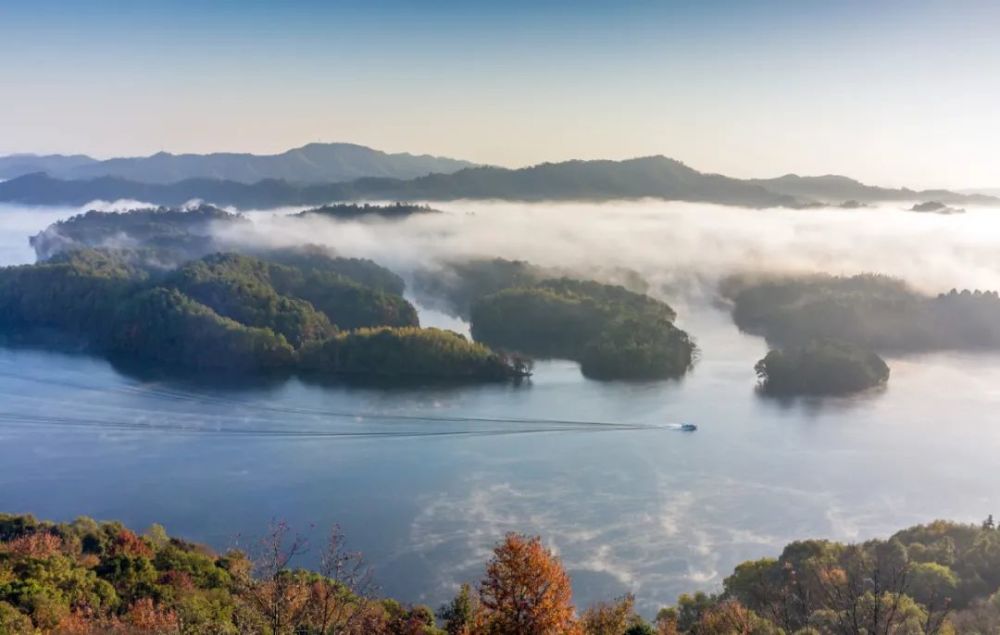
x=890 y=92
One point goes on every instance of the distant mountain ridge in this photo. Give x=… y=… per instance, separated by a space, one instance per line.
x=650 y=177
x=15 y=165
x=601 y=180
x=832 y=188
x=312 y=163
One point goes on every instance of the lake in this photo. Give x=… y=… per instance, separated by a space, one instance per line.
x=425 y=480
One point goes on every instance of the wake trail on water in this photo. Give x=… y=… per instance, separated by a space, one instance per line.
x=28 y=420
x=160 y=392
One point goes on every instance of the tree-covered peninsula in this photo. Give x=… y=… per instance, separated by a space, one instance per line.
x=101 y=578
x=233 y=313
x=873 y=311
x=614 y=333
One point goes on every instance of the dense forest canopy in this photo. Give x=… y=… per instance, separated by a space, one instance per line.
x=407 y=352
x=876 y=312
x=237 y=313
x=614 y=333
x=315 y=258
x=90 y=578
x=821 y=368
x=240 y=288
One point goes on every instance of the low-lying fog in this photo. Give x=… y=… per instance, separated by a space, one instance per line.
x=676 y=247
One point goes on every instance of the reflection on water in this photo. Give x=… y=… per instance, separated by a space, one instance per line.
x=424 y=480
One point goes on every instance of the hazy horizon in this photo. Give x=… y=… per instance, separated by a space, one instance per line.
x=986 y=189
x=892 y=94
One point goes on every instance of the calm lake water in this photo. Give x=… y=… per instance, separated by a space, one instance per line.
x=424 y=481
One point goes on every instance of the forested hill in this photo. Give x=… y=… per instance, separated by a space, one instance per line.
x=312 y=163
x=652 y=177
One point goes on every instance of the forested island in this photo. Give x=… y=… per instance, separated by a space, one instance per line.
x=830 y=330
x=872 y=311
x=90 y=578
x=820 y=368
x=238 y=314
x=614 y=333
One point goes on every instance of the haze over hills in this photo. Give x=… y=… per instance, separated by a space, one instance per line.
x=832 y=188
x=988 y=191
x=15 y=165
x=654 y=177
x=312 y=163
x=647 y=177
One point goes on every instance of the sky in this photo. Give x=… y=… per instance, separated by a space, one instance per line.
x=890 y=92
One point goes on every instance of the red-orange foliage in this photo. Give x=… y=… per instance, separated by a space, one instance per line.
x=82 y=622
x=729 y=618
x=609 y=618
x=37 y=545
x=128 y=544
x=76 y=623
x=526 y=590
x=145 y=617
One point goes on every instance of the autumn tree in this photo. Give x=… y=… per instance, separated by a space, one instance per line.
x=270 y=587
x=729 y=617
x=336 y=599
x=610 y=618
x=339 y=599
x=526 y=591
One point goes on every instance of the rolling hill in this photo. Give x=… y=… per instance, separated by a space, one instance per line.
x=312 y=163
x=647 y=177
x=653 y=177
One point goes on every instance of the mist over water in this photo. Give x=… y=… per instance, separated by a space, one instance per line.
x=679 y=248
x=425 y=480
